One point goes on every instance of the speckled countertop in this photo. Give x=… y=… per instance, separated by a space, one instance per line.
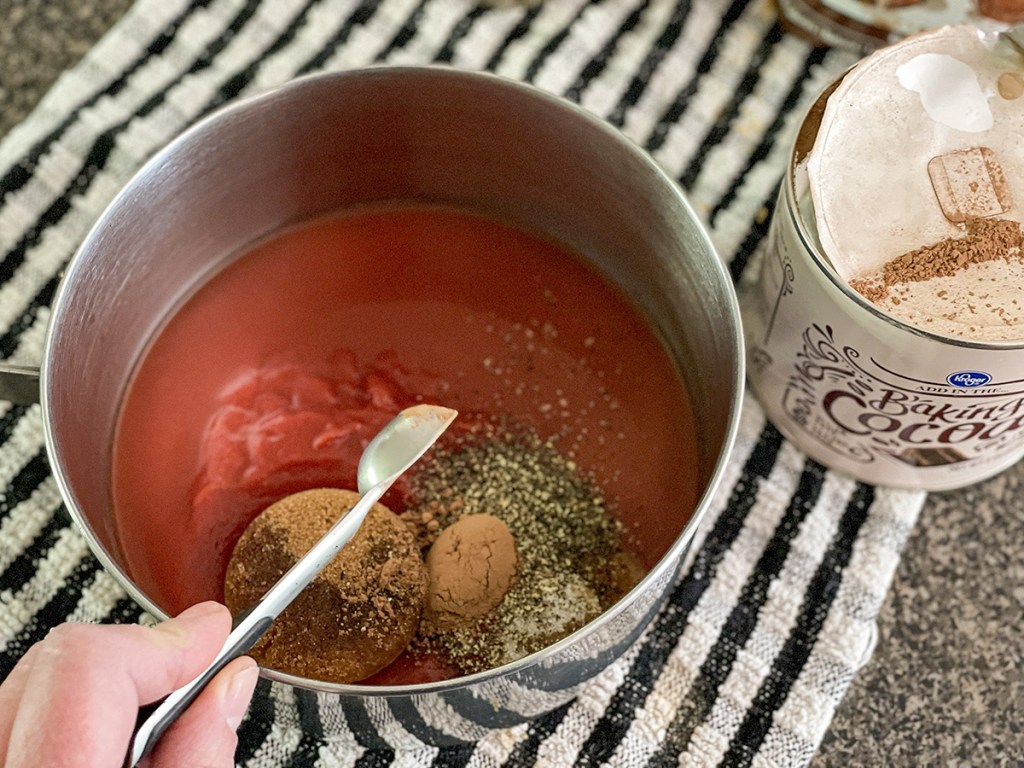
x=946 y=683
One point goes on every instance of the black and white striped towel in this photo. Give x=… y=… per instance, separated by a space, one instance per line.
x=765 y=629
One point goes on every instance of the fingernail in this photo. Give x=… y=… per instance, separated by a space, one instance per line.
x=239 y=694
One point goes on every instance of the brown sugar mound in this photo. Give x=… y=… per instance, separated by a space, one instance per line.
x=470 y=568
x=358 y=614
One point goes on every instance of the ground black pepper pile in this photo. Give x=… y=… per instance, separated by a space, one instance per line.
x=572 y=564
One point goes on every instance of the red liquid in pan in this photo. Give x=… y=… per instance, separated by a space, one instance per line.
x=276 y=373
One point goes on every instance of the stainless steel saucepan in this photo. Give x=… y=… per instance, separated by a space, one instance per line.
x=334 y=141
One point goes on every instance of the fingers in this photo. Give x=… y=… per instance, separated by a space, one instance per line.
x=175 y=651
x=80 y=694
x=204 y=736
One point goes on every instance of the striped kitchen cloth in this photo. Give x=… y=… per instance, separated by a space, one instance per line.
x=777 y=605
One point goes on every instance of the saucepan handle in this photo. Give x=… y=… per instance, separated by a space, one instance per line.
x=19 y=384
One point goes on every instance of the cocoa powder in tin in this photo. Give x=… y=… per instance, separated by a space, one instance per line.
x=985 y=240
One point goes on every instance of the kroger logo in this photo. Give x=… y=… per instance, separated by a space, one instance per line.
x=968 y=379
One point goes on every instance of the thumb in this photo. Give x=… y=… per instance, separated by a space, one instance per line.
x=204 y=735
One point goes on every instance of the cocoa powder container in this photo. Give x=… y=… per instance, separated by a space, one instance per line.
x=861 y=390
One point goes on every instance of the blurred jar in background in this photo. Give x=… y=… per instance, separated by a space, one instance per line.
x=864 y=25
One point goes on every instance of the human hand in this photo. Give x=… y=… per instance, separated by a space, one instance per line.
x=73 y=699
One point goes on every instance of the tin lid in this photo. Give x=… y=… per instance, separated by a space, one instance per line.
x=917 y=182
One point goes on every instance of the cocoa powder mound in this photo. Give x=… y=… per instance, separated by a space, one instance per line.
x=470 y=569
x=986 y=240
